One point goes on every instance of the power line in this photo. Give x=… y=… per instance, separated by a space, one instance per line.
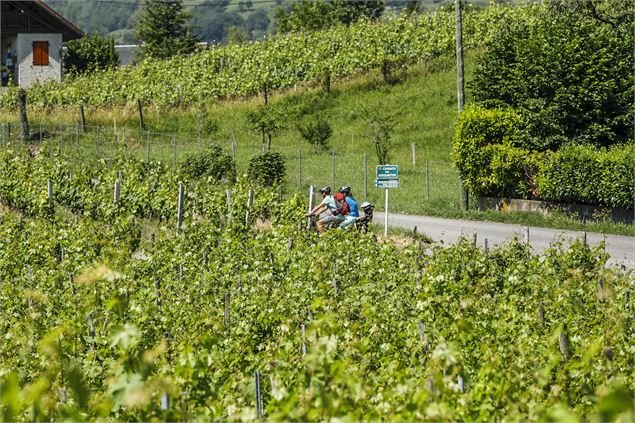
x=206 y=3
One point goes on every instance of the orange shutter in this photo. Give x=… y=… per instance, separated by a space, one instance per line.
x=40 y=53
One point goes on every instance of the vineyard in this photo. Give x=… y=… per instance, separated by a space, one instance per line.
x=277 y=62
x=139 y=285
x=110 y=311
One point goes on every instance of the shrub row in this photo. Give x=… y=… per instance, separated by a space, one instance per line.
x=488 y=151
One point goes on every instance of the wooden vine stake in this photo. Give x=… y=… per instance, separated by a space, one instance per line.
x=117 y=191
x=140 y=109
x=258 y=394
x=179 y=223
x=303 y=339
x=414 y=154
x=24 y=122
x=49 y=191
x=563 y=342
x=227 y=305
x=422 y=336
x=91 y=329
x=82 y=118
x=335 y=288
x=157 y=289
x=309 y=223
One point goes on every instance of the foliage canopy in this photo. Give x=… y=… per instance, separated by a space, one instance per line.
x=93 y=52
x=162 y=28
x=567 y=71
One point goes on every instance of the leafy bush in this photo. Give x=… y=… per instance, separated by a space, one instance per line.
x=90 y=53
x=567 y=71
x=587 y=174
x=486 y=153
x=316 y=132
x=267 y=169
x=213 y=163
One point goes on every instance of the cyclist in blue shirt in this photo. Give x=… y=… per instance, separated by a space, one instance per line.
x=352 y=205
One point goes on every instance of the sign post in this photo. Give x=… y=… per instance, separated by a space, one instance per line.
x=387 y=177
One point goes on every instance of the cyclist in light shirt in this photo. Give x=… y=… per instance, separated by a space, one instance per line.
x=327 y=205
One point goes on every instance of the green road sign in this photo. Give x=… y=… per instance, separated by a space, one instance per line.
x=386 y=183
x=387 y=172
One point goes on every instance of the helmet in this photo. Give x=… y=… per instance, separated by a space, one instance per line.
x=345 y=190
x=366 y=205
x=326 y=190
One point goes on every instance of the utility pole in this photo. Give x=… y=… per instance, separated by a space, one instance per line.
x=460 y=83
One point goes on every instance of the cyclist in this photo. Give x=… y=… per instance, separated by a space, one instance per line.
x=352 y=205
x=327 y=205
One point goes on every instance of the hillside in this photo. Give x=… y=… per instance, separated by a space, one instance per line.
x=211 y=18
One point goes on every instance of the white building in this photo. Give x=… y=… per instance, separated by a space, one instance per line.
x=31 y=37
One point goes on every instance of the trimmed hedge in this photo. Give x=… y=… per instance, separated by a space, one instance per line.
x=487 y=151
x=589 y=175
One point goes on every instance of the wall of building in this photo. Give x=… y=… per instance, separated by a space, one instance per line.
x=28 y=73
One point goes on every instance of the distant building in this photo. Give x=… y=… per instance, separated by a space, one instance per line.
x=126 y=53
x=31 y=37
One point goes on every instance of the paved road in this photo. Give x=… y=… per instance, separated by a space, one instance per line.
x=620 y=248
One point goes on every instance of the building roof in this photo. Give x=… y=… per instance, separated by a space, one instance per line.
x=35 y=17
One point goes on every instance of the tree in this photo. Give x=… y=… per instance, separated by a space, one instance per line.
x=163 y=29
x=566 y=72
x=380 y=123
x=257 y=23
x=266 y=119
x=305 y=15
x=349 y=11
x=237 y=35
x=310 y=15
x=316 y=132
x=90 y=53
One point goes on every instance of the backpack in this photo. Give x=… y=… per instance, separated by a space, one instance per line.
x=341 y=204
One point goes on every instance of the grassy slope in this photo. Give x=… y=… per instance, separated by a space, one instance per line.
x=424 y=101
